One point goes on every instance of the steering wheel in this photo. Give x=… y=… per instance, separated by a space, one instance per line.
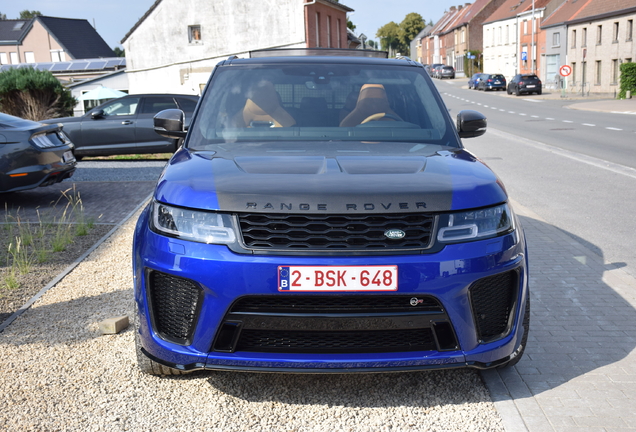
x=378 y=116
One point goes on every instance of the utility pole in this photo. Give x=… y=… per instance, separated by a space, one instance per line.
x=532 y=48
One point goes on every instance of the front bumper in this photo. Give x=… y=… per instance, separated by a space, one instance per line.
x=221 y=277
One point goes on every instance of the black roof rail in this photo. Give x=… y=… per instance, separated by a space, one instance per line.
x=337 y=52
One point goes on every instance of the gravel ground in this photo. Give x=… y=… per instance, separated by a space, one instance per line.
x=61 y=374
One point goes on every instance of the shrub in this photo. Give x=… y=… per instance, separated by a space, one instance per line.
x=34 y=94
x=628 y=79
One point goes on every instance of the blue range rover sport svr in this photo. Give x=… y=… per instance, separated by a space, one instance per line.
x=322 y=215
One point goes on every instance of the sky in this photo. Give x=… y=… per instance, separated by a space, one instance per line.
x=114 y=18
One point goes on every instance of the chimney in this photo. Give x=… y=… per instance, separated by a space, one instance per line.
x=453 y=9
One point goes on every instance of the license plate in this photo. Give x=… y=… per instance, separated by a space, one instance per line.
x=530 y=86
x=497 y=82
x=337 y=278
x=68 y=156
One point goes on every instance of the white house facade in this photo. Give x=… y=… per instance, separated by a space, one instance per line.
x=175 y=46
x=501 y=47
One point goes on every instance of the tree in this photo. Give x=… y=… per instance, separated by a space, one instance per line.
x=2 y=17
x=27 y=14
x=351 y=26
x=34 y=94
x=628 y=79
x=119 y=52
x=389 y=35
x=410 y=26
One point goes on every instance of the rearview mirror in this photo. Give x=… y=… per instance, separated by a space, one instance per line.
x=471 y=124
x=169 y=123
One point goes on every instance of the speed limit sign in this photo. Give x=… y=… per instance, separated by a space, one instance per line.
x=565 y=70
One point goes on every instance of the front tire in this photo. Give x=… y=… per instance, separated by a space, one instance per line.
x=146 y=365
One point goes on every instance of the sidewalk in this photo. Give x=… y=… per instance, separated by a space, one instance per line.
x=579 y=369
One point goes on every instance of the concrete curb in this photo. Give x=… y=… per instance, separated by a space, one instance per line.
x=70 y=268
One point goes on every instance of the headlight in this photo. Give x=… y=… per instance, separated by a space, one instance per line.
x=477 y=224
x=198 y=226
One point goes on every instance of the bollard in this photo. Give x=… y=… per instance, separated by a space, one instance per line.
x=628 y=94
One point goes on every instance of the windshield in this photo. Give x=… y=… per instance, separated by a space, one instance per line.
x=312 y=102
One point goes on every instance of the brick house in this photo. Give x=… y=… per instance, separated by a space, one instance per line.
x=49 y=39
x=176 y=44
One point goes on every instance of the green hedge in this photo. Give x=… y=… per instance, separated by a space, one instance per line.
x=628 y=79
x=34 y=94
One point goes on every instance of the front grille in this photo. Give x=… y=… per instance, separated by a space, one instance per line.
x=335 y=324
x=174 y=306
x=337 y=342
x=492 y=300
x=335 y=232
x=325 y=304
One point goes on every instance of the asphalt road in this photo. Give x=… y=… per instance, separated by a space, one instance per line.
x=606 y=136
x=577 y=177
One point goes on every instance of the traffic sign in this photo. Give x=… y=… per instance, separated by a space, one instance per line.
x=565 y=70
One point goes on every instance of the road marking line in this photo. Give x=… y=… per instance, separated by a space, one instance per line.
x=502 y=110
x=568 y=121
x=613 y=128
x=534 y=116
x=493 y=108
x=549 y=118
x=588 y=124
x=485 y=106
x=511 y=112
x=522 y=114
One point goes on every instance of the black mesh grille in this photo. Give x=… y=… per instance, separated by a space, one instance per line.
x=336 y=342
x=334 y=232
x=326 y=304
x=174 y=306
x=492 y=301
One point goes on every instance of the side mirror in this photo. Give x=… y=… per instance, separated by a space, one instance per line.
x=97 y=114
x=169 y=123
x=471 y=124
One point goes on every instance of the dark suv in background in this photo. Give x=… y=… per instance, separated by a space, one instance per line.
x=492 y=82
x=524 y=83
x=124 y=125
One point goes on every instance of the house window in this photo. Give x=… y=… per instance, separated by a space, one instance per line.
x=597 y=78
x=338 y=33
x=507 y=35
x=630 y=29
x=329 y=44
x=615 y=69
x=3 y=58
x=525 y=27
x=573 y=73
x=14 y=58
x=317 y=29
x=556 y=39
x=599 y=35
x=194 y=34
x=57 y=56
x=615 y=38
x=463 y=35
x=29 y=57
x=573 y=38
x=584 y=41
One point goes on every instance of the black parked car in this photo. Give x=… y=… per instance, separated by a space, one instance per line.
x=32 y=154
x=492 y=82
x=446 y=72
x=524 y=83
x=124 y=125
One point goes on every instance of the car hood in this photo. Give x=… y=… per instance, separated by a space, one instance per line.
x=443 y=181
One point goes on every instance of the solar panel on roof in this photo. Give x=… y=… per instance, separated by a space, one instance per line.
x=44 y=66
x=115 y=62
x=96 y=65
x=61 y=66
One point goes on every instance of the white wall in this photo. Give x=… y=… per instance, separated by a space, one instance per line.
x=500 y=53
x=160 y=57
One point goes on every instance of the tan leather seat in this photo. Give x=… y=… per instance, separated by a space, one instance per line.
x=372 y=105
x=263 y=105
